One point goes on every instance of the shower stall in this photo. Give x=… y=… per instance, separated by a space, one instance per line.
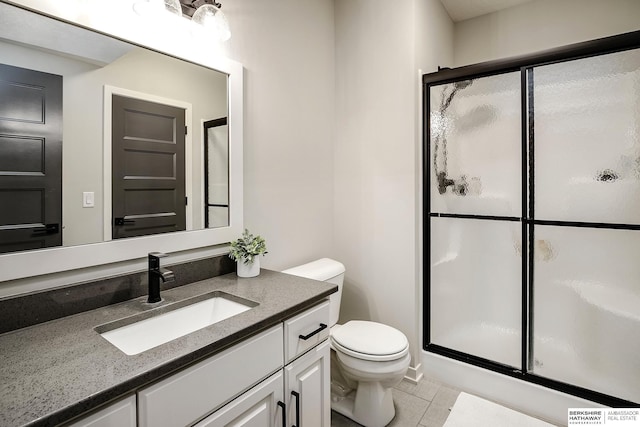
x=532 y=217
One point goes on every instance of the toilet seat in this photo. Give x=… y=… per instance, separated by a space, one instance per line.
x=371 y=341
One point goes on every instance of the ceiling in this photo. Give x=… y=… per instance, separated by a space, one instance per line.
x=459 y=10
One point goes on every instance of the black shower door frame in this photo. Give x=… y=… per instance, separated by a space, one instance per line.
x=524 y=65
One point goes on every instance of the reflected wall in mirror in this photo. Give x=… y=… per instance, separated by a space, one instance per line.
x=88 y=64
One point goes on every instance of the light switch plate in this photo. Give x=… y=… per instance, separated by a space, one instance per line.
x=88 y=199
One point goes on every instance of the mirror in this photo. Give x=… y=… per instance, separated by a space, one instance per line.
x=97 y=69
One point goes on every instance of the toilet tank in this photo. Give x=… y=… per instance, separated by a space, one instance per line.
x=324 y=270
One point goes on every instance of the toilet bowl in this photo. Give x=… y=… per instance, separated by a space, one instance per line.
x=367 y=358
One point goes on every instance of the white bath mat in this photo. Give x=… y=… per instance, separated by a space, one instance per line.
x=472 y=411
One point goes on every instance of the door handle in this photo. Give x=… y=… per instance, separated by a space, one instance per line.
x=284 y=412
x=297 y=396
x=317 y=331
x=123 y=221
x=47 y=229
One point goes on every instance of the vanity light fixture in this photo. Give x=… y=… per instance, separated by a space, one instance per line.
x=211 y=21
x=211 y=18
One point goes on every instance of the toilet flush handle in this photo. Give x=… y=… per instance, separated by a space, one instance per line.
x=317 y=331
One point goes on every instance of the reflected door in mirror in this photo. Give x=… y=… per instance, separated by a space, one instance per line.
x=148 y=144
x=30 y=159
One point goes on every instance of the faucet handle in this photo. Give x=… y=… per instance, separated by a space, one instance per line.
x=158 y=254
x=154 y=259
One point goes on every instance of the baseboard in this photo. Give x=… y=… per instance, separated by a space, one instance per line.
x=414 y=374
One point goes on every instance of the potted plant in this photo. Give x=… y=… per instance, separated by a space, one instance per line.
x=246 y=252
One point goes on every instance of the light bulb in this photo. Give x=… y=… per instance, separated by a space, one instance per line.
x=173 y=6
x=213 y=21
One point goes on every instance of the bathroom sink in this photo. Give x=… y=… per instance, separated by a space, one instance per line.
x=147 y=330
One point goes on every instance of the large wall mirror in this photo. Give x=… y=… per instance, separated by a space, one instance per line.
x=111 y=146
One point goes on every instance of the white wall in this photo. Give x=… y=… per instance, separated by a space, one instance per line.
x=287 y=49
x=376 y=153
x=539 y=25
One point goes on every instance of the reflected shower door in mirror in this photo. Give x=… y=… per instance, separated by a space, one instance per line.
x=216 y=192
x=88 y=63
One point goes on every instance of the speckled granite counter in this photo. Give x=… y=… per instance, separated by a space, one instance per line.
x=55 y=371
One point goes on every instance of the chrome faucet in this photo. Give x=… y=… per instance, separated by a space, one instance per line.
x=156 y=274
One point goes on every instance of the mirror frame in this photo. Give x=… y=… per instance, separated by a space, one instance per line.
x=118 y=20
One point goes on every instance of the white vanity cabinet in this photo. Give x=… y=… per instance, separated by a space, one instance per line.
x=307 y=373
x=278 y=378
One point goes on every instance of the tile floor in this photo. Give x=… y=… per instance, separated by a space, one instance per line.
x=425 y=404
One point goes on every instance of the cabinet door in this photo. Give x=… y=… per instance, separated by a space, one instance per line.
x=307 y=389
x=259 y=407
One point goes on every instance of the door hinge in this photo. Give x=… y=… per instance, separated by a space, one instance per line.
x=186 y=201
x=186 y=130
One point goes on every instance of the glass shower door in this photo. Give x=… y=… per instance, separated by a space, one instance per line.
x=586 y=274
x=475 y=209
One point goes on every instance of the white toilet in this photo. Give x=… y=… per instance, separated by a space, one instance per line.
x=367 y=358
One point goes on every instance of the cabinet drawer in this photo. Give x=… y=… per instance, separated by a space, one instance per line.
x=191 y=394
x=120 y=414
x=257 y=407
x=306 y=325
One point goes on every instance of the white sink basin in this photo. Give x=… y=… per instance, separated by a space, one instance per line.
x=153 y=328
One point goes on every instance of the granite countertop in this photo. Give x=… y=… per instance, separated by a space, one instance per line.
x=55 y=371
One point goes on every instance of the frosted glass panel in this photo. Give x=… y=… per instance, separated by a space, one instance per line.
x=217 y=176
x=587 y=146
x=475 y=137
x=587 y=308
x=218 y=216
x=476 y=287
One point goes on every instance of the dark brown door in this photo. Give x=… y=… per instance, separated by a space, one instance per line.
x=30 y=159
x=148 y=188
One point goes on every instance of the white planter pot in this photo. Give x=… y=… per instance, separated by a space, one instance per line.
x=248 y=270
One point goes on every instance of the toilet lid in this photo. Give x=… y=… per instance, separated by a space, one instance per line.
x=370 y=340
